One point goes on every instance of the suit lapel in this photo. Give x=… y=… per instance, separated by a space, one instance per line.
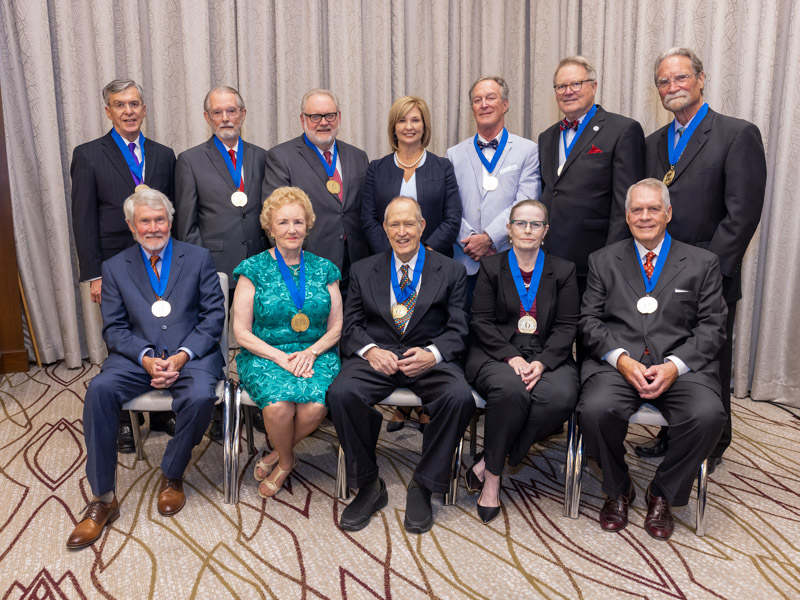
x=427 y=292
x=112 y=152
x=696 y=142
x=174 y=269
x=676 y=262
x=216 y=159
x=544 y=297
x=663 y=151
x=138 y=273
x=551 y=142
x=250 y=165
x=310 y=156
x=346 y=158
x=151 y=153
x=628 y=261
x=587 y=135
x=477 y=166
x=379 y=285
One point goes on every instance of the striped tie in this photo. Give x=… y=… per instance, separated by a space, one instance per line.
x=408 y=303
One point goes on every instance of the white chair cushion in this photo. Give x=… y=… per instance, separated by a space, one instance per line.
x=648 y=415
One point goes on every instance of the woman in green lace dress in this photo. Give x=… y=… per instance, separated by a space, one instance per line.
x=287 y=317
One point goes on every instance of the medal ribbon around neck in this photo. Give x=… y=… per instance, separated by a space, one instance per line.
x=159 y=285
x=401 y=295
x=490 y=165
x=330 y=169
x=676 y=151
x=236 y=173
x=136 y=170
x=296 y=291
x=526 y=296
x=581 y=127
x=661 y=259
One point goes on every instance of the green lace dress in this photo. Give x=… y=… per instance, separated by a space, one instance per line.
x=273 y=309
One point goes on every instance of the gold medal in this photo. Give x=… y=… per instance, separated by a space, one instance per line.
x=669 y=176
x=300 y=322
x=647 y=305
x=239 y=199
x=399 y=311
x=161 y=308
x=333 y=187
x=527 y=324
x=140 y=187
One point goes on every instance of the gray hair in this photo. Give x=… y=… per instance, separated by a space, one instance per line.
x=148 y=197
x=532 y=202
x=497 y=79
x=401 y=199
x=314 y=92
x=653 y=184
x=120 y=85
x=223 y=88
x=697 y=64
x=581 y=61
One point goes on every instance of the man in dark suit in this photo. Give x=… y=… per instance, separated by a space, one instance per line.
x=404 y=327
x=332 y=173
x=104 y=172
x=652 y=321
x=588 y=162
x=163 y=313
x=717 y=173
x=219 y=186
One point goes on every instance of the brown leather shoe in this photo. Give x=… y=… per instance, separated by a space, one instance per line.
x=614 y=514
x=658 y=522
x=170 y=496
x=96 y=516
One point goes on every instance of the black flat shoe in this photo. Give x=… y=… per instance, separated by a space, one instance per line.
x=368 y=501
x=392 y=426
x=487 y=514
x=471 y=481
x=125 y=443
x=652 y=449
x=165 y=425
x=419 y=514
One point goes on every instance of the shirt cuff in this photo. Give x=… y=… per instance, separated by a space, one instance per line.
x=435 y=351
x=191 y=354
x=146 y=352
x=612 y=356
x=682 y=368
x=363 y=351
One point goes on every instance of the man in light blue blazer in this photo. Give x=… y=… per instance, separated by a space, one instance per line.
x=495 y=169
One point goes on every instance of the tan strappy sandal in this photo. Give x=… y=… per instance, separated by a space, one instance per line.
x=265 y=467
x=270 y=484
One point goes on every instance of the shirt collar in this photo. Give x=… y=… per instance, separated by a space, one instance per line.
x=160 y=254
x=643 y=251
x=412 y=263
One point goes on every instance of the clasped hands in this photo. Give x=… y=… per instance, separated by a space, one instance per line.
x=650 y=382
x=529 y=372
x=416 y=360
x=299 y=364
x=478 y=245
x=164 y=371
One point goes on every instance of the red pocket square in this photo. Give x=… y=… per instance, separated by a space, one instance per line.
x=595 y=150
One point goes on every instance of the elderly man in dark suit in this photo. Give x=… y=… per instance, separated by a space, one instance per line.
x=652 y=321
x=588 y=162
x=332 y=173
x=163 y=313
x=716 y=171
x=404 y=326
x=104 y=172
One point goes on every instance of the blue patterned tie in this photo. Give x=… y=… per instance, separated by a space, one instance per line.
x=408 y=303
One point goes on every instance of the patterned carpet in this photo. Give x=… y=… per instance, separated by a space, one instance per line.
x=290 y=546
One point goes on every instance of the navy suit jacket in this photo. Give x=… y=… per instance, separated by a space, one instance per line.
x=101 y=181
x=196 y=319
x=587 y=201
x=437 y=195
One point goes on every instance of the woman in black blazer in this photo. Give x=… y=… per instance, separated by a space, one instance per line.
x=520 y=357
x=411 y=171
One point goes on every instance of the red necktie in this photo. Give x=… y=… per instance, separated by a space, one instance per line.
x=233 y=160
x=336 y=177
x=648 y=264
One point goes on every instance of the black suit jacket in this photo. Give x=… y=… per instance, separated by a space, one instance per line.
x=204 y=213
x=294 y=163
x=101 y=181
x=438 y=316
x=587 y=201
x=495 y=313
x=689 y=321
x=437 y=195
x=718 y=190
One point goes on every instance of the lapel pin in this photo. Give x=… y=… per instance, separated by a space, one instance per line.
x=596 y=128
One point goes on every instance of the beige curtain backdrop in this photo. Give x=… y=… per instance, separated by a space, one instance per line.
x=58 y=54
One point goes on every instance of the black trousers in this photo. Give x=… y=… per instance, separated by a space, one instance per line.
x=695 y=416
x=446 y=398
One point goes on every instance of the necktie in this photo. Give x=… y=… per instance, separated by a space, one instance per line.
x=408 y=303
x=336 y=177
x=233 y=160
x=490 y=144
x=680 y=133
x=567 y=124
x=154 y=260
x=648 y=264
x=132 y=148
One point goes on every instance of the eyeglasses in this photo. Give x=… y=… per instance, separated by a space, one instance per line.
x=521 y=225
x=231 y=111
x=575 y=86
x=316 y=118
x=679 y=80
x=133 y=105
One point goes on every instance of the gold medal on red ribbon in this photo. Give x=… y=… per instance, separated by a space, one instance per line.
x=333 y=187
x=300 y=322
x=527 y=324
x=669 y=176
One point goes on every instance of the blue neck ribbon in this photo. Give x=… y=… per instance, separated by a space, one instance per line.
x=581 y=127
x=159 y=285
x=330 y=169
x=236 y=174
x=401 y=295
x=130 y=159
x=296 y=291
x=497 y=153
x=526 y=296
x=661 y=259
x=676 y=151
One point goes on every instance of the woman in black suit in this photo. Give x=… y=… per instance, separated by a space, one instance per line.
x=411 y=171
x=524 y=319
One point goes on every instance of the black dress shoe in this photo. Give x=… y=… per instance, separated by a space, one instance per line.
x=652 y=449
x=471 y=481
x=215 y=431
x=487 y=514
x=419 y=515
x=165 y=425
x=125 y=443
x=369 y=500
x=713 y=463
x=614 y=514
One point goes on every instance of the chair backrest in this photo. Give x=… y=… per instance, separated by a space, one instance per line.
x=223 y=339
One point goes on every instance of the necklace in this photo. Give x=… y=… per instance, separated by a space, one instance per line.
x=412 y=165
x=295 y=268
